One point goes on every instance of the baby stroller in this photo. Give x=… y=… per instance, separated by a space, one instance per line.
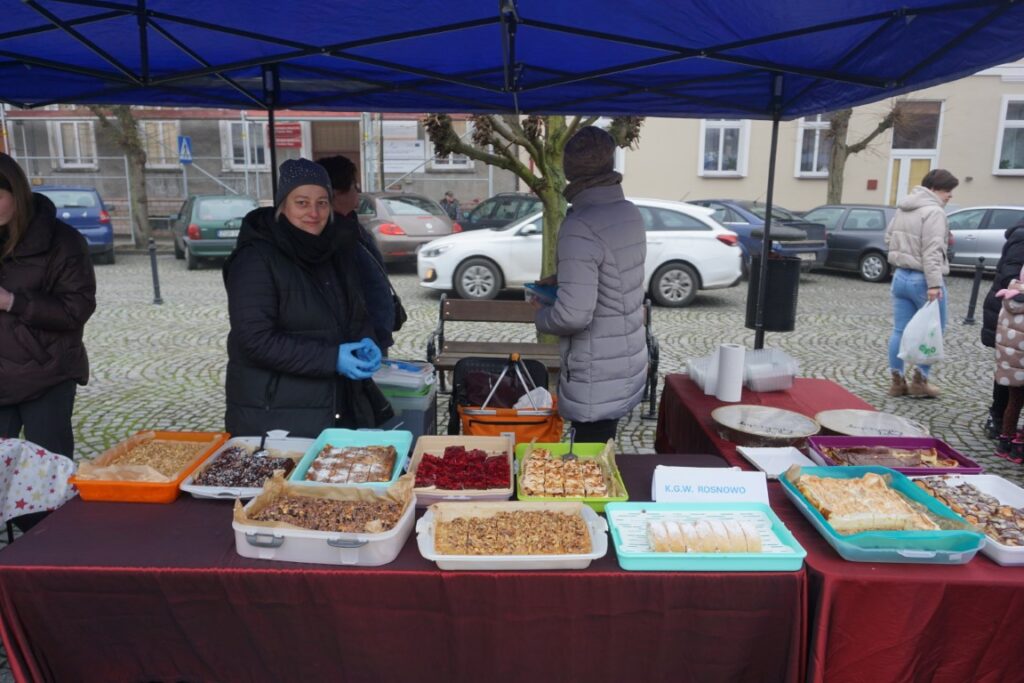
x=484 y=391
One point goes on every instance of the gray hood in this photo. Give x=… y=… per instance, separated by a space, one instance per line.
x=918 y=198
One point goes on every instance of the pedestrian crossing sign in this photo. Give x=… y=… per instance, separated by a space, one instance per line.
x=184 y=149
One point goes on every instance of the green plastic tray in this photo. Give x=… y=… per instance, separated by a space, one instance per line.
x=584 y=451
x=788 y=558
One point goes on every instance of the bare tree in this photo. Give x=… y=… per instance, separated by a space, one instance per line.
x=123 y=127
x=839 y=126
x=497 y=140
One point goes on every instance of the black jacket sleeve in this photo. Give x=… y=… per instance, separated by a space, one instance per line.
x=72 y=299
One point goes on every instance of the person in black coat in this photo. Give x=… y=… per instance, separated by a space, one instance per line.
x=377 y=288
x=1010 y=262
x=299 y=353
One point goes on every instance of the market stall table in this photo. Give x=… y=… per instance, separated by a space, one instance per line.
x=111 y=591
x=873 y=622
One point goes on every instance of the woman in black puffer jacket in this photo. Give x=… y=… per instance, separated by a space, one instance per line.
x=300 y=355
x=1008 y=268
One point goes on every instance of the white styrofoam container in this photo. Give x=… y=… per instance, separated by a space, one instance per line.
x=274 y=443
x=769 y=370
x=1007 y=493
x=323 y=547
x=435 y=445
x=598 y=541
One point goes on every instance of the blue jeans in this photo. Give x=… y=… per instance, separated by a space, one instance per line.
x=909 y=295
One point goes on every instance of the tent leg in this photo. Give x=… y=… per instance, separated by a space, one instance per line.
x=766 y=239
x=271 y=94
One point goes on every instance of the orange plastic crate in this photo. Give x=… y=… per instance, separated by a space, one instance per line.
x=144 y=491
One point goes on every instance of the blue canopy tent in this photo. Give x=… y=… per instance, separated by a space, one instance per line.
x=699 y=58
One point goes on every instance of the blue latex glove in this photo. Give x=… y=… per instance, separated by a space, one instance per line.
x=369 y=352
x=351 y=365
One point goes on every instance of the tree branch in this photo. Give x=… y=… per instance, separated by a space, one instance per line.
x=577 y=123
x=885 y=124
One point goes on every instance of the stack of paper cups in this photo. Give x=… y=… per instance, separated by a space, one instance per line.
x=729 y=380
x=711 y=376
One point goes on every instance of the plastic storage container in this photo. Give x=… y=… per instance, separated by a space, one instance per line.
x=435 y=445
x=404 y=374
x=628 y=525
x=817 y=444
x=769 y=370
x=415 y=410
x=282 y=446
x=145 y=491
x=323 y=547
x=401 y=440
x=425 y=538
x=583 y=451
x=926 y=547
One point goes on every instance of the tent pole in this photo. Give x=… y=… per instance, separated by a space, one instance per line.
x=273 y=152
x=271 y=95
x=766 y=238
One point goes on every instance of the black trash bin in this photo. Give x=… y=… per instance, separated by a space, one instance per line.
x=781 y=288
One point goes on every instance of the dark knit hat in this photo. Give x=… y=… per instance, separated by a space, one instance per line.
x=590 y=152
x=297 y=172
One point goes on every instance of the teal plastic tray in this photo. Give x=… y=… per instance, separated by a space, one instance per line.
x=787 y=556
x=401 y=440
x=952 y=546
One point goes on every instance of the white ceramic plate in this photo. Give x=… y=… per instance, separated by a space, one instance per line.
x=852 y=422
x=774 y=461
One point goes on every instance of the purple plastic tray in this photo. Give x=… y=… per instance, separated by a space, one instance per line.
x=967 y=466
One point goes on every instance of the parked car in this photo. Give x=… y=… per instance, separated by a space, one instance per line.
x=791 y=235
x=501 y=209
x=82 y=208
x=980 y=232
x=207 y=226
x=401 y=222
x=856 y=237
x=687 y=251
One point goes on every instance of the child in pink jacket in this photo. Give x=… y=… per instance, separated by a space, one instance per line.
x=1010 y=366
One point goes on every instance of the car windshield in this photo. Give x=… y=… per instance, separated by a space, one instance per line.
x=412 y=206
x=224 y=209
x=72 y=199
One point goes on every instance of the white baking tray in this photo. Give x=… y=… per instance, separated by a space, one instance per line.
x=598 y=540
x=323 y=547
x=774 y=461
x=281 y=445
x=435 y=445
x=1007 y=493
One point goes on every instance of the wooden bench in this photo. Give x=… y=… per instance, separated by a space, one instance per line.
x=444 y=353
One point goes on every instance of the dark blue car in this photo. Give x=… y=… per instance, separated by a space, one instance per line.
x=791 y=235
x=82 y=208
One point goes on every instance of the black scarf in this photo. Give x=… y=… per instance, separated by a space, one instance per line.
x=588 y=181
x=313 y=249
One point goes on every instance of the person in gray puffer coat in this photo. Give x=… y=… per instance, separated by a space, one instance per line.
x=598 y=313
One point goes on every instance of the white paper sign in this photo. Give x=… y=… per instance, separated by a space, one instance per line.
x=707 y=485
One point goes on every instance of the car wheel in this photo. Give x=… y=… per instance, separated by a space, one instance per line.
x=478 y=278
x=191 y=259
x=179 y=253
x=874 y=267
x=675 y=285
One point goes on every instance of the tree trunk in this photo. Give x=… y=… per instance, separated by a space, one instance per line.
x=141 y=231
x=840 y=126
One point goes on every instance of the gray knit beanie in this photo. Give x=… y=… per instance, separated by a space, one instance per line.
x=590 y=152
x=297 y=172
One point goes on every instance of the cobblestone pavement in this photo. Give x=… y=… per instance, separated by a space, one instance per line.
x=163 y=366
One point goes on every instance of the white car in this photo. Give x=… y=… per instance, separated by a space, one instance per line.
x=687 y=251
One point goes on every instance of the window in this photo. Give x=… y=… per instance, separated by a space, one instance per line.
x=723 y=147
x=814 y=147
x=244 y=145
x=828 y=216
x=917 y=125
x=865 y=219
x=455 y=162
x=1001 y=219
x=666 y=219
x=966 y=220
x=1010 y=142
x=160 y=140
x=74 y=144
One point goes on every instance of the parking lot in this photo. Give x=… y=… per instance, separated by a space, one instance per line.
x=163 y=366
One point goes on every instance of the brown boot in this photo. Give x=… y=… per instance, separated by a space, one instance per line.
x=920 y=388
x=899 y=385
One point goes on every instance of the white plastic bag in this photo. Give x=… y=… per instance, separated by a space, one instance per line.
x=922 y=339
x=541 y=400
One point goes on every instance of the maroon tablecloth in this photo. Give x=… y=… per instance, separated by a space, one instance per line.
x=110 y=591
x=874 y=622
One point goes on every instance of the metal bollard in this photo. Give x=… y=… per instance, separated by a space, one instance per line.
x=156 y=274
x=978 y=271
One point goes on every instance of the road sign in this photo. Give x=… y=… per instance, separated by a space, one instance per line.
x=184 y=149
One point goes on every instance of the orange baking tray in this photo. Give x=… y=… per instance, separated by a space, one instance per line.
x=144 y=491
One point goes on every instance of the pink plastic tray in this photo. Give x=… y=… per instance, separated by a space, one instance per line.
x=967 y=466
